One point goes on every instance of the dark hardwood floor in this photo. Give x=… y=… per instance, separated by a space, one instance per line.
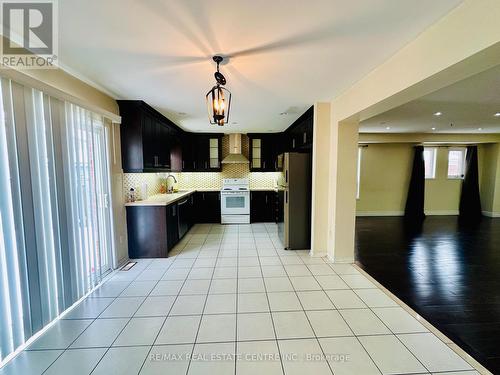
x=445 y=270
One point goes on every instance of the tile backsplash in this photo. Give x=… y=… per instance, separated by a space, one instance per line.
x=201 y=180
x=198 y=180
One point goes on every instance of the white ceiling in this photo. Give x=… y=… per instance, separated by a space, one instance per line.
x=285 y=54
x=468 y=106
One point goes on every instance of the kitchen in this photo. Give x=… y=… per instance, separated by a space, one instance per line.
x=174 y=179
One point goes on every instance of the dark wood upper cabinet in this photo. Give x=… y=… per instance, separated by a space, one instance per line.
x=264 y=151
x=202 y=152
x=153 y=143
x=299 y=136
x=150 y=141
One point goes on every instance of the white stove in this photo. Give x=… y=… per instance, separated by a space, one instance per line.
x=235 y=201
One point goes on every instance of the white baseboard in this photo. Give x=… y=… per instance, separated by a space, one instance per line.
x=340 y=260
x=442 y=213
x=401 y=213
x=491 y=214
x=318 y=254
x=380 y=213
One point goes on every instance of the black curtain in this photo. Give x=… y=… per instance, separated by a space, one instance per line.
x=414 y=209
x=470 y=202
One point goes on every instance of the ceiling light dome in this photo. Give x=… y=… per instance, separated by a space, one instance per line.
x=218 y=98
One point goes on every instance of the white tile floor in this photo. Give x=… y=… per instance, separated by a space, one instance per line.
x=230 y=300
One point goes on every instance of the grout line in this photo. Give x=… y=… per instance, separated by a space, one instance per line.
x=272 y=320
x=432 y=330
x=193 y=244
x=305 y=314
x=125 y=326
x=204 y=306
x=347 y=324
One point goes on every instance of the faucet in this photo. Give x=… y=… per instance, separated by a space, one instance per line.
x=170 y=189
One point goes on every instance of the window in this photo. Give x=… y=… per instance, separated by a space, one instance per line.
x=358 y=173
x=56 y=239
x=456 y=162
x=430 y=162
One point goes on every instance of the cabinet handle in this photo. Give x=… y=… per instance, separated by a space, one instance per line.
x=206 y=165
x=304 y=137
x=183 y=164
x=194 y=165
x=203 y=196
x=266 y=198
x=264 y=164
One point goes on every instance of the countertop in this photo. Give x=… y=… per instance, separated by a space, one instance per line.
x=166 y=199
x=161 y=199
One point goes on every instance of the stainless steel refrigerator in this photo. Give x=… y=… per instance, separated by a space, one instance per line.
x=294 y=219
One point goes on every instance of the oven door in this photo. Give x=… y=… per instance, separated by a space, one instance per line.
x=235 y=203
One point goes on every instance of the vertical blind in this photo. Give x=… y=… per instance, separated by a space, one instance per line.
x=55 y=221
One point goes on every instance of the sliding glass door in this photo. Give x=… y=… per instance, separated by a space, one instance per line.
x=56 y=239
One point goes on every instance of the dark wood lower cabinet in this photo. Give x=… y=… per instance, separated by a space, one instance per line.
x=172 y=225
x=263 y=207
x=207 y=207
x=154 y=230
x=147 y=231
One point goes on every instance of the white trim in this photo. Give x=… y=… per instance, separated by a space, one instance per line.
x=442 y=213
x=31 y=82
x=318 y=254
x=401 y=213
x=491 y=214
x=340 y=260
x=380 y=213
x=87 y=80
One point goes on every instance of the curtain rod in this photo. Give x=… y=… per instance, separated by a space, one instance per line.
x=24 y=79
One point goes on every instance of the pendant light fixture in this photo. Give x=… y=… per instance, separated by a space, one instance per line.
x=218 y=98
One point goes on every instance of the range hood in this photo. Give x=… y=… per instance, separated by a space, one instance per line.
x=235 y=156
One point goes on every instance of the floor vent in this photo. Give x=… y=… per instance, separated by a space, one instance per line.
x=128 y=266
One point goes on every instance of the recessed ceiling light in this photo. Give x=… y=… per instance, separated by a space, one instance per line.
x=283 y=113
x=479 y=128
x=497 y=114
x=234 y=122
x=438 y=113
x=388 y=128
x=433 y=128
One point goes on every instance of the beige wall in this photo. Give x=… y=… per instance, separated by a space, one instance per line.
x=321 y=155
x=490 y=179
x=461 y=44
x=385 y=174
x=117 y=181
x=65 y=82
